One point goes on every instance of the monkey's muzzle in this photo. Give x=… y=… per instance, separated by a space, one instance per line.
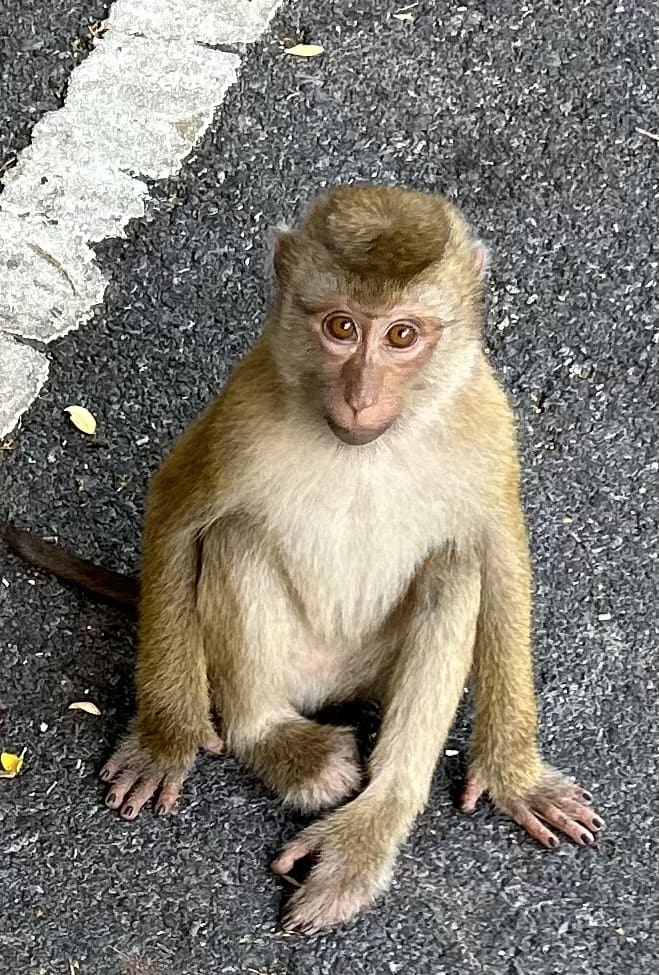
x=356 y=437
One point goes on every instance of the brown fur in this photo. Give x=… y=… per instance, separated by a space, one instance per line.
x=284 y=570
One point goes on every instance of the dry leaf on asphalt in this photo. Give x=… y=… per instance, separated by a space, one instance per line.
x=81 y=418
x=87 y=706
x=305 y=50
x=11 y=764
x=404 y=15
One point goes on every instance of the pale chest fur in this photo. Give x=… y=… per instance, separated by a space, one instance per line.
x=354 y=524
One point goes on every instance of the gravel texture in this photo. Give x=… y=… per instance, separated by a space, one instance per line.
x=527 y=115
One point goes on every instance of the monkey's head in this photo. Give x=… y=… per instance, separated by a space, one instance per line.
x=378 y=311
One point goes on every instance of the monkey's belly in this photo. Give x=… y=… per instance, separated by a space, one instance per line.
x=349 y=577
x=323 y=674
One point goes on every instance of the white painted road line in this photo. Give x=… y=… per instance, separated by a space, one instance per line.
x=206 y=21
x=22 y=374
x=135 y=107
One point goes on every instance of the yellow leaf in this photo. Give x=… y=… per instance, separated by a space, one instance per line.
x=305 y=50
x=87 y=706
x=82 y=419
x=405 y=16
x=11 y=764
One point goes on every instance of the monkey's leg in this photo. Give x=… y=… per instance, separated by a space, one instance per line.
x=505 y=760
x=251 y=626
x=355 y=847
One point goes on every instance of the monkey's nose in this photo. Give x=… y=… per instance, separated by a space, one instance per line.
x=361 y=401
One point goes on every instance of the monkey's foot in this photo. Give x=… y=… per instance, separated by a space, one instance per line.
x=311 y=766
x=555 y=800
x=344 y=879
x=135 y=777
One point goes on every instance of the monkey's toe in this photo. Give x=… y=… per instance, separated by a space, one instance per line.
x=214 y=745
x=299 y=848
x=471 y=793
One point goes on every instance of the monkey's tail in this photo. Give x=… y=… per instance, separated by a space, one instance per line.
x=53 y=558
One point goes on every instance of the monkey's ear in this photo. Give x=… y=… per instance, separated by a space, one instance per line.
x=284 y=247
x=481 y=256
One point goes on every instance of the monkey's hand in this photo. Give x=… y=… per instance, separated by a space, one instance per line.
x=554 y=799
x=135 y=776
x=352 y=856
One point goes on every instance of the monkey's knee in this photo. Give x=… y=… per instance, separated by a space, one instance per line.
x=310 y=765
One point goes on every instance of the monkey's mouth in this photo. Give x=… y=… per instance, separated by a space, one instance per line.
x=355 y=438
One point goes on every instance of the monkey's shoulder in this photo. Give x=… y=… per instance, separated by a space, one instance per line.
x=214 y=442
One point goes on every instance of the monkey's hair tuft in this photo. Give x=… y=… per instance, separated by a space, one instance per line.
x=381 y=231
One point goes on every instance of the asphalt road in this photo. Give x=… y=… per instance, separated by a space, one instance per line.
x=527 y=115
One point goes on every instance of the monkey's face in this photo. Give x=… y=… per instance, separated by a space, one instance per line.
x=373 y=280
x=367 y=364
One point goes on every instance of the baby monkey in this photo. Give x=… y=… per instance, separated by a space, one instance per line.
x=344 y=522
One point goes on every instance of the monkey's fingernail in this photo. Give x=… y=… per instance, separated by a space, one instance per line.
x=554 y=841
x=105 y=774
x=160 y=809
x=598 y=823
x=127 y=811
x=587 y=795
x=585 y=838
x=111 y=799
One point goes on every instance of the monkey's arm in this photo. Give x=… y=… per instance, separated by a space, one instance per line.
x=356 y=846
x=199 y=483
x=173 y=710
x=505 y=759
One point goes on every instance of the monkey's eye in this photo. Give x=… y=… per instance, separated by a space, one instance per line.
x=340 y=328
x=402 y=335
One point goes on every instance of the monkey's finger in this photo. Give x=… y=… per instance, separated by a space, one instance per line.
x=581 y=813
x=169 y=794
x=556 y=817
x=108 y=771
x=128 y=757
x=299 y=848
x=567 y=788
x=535 y=828
x=139 y=797
x=120 y=789
x=470 y=795
x=112 y=768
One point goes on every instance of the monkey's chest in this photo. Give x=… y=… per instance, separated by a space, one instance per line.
x=351 y=547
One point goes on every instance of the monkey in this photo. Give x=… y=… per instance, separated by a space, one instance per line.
x=345 y=522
